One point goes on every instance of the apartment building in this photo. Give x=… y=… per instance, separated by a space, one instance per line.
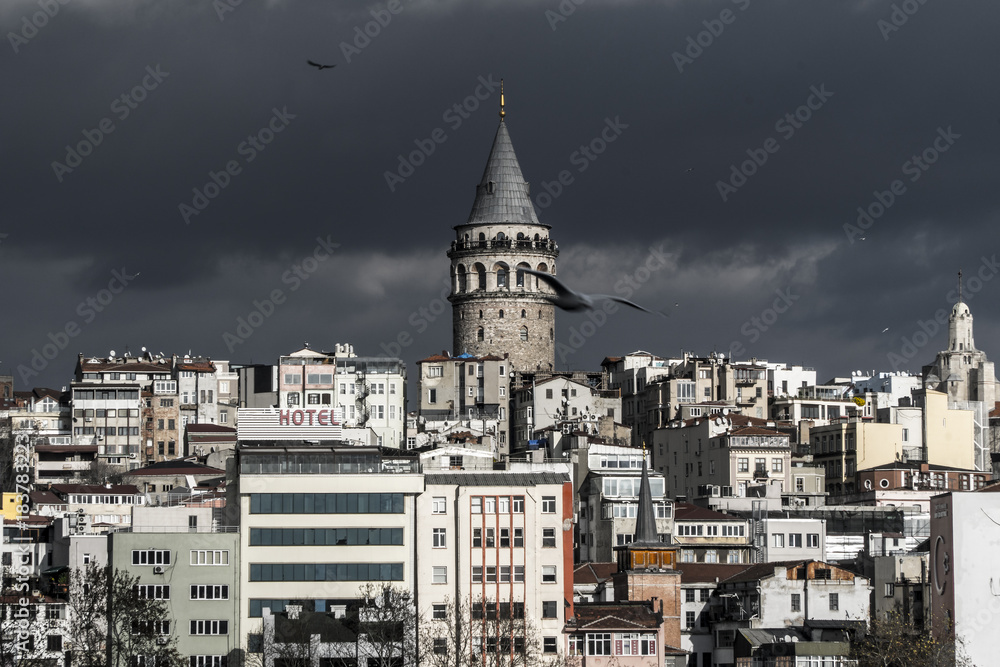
x=501 y=543
x=556 y=399
x=609 y=509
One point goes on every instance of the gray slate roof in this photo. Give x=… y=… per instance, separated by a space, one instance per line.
x=496 y=478
x=509 y=201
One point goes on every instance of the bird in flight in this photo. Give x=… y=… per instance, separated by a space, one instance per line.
x=884 y=330
x=568 y=300
x=320 y=67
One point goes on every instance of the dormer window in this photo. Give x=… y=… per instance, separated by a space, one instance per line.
x=491 y=187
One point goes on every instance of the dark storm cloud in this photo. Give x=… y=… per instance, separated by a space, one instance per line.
x=208 y=124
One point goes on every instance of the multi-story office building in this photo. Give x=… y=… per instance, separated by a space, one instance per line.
x=107 y=415
x=502 y=544
x=317 y=522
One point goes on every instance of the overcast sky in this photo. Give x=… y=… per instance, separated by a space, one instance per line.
x=115 y=112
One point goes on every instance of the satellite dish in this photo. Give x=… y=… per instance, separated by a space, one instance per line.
x=111 y=353
x=143 y=349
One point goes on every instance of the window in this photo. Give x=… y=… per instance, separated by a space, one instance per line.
x=795 y=540
x=548 y=537
x=439 y=506
x=548 y=504
x=440 y=539
x=689 y=619
x=689 y=595
x=598 y=643
x=491 y=505
x=480 y=334
x=524 y=333
x=519 y=537
x=210 y=557
x=779 y=540
x=742 y=464
x=439 y=575
x=209 y=627
x=812 y=540
x=776 y=465
x=796 y=602
x=208 y=661
x=549 y=609
x=890 y=589
x=576 y=644
x=834 y=601
x=151 y=557
x=704 y=594
x=548 y=574
x=549 y=644
x=504 y=538
x=518 y=505
x=152 y=592
x=439 y=612
x=209 y=592
x=432 y=395
x=519 y=574
x=477 y=504
x=477 y=537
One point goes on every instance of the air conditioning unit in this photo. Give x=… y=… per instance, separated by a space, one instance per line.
x=162 y=640
x=158 y=569
x=88 y=419
x=133 y=456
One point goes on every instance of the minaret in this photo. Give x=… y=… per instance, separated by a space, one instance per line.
x=496 y=308
x=960 y=325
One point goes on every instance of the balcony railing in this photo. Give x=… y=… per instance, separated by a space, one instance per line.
x=543 y=245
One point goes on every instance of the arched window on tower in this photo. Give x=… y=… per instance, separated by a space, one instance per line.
x=500 y=236
x=501 y=313
x=521 y=274
x=480 y=334
x=481 y=273
x=503 y=275
x=462 y=279
x=524 y=333
x=480 y=314
x=539 y=314
x=482 y=240
x=524 y=314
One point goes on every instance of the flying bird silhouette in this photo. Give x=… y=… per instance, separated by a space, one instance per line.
x=567 y=299
x=320 y=67
x=884 y=330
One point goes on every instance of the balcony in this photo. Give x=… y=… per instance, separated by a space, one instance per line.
x=542 y=245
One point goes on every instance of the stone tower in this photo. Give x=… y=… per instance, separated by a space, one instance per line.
x=962 y=371
x=496 y=307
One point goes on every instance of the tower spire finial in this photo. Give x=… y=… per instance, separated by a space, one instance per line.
x=959 y=271
x=502 y=112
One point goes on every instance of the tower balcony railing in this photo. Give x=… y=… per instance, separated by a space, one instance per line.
x=543 y=245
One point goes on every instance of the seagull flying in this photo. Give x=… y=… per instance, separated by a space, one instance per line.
x=884 y=330
x=569 y=300
x=320 y=67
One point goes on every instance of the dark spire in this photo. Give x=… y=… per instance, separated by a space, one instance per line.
x=645 y=516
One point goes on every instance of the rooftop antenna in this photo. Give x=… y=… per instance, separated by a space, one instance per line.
x=959 y=275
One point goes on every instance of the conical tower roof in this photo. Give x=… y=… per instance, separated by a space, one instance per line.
x=502 y=194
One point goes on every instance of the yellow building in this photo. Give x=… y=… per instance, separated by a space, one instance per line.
x=10 y=505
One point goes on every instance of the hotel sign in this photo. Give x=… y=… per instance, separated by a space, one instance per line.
x=289 y=424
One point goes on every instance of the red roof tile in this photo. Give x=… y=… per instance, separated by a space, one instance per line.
x=593 y=573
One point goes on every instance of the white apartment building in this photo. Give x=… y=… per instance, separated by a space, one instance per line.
x=556 y=399
x=501 y=543
x=371 y=391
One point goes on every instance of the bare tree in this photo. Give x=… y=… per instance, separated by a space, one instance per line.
x=892 y=642
x=100 y=472
x=388 y=623
x=112 y=621
x=23 y=631
x=483 y=633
